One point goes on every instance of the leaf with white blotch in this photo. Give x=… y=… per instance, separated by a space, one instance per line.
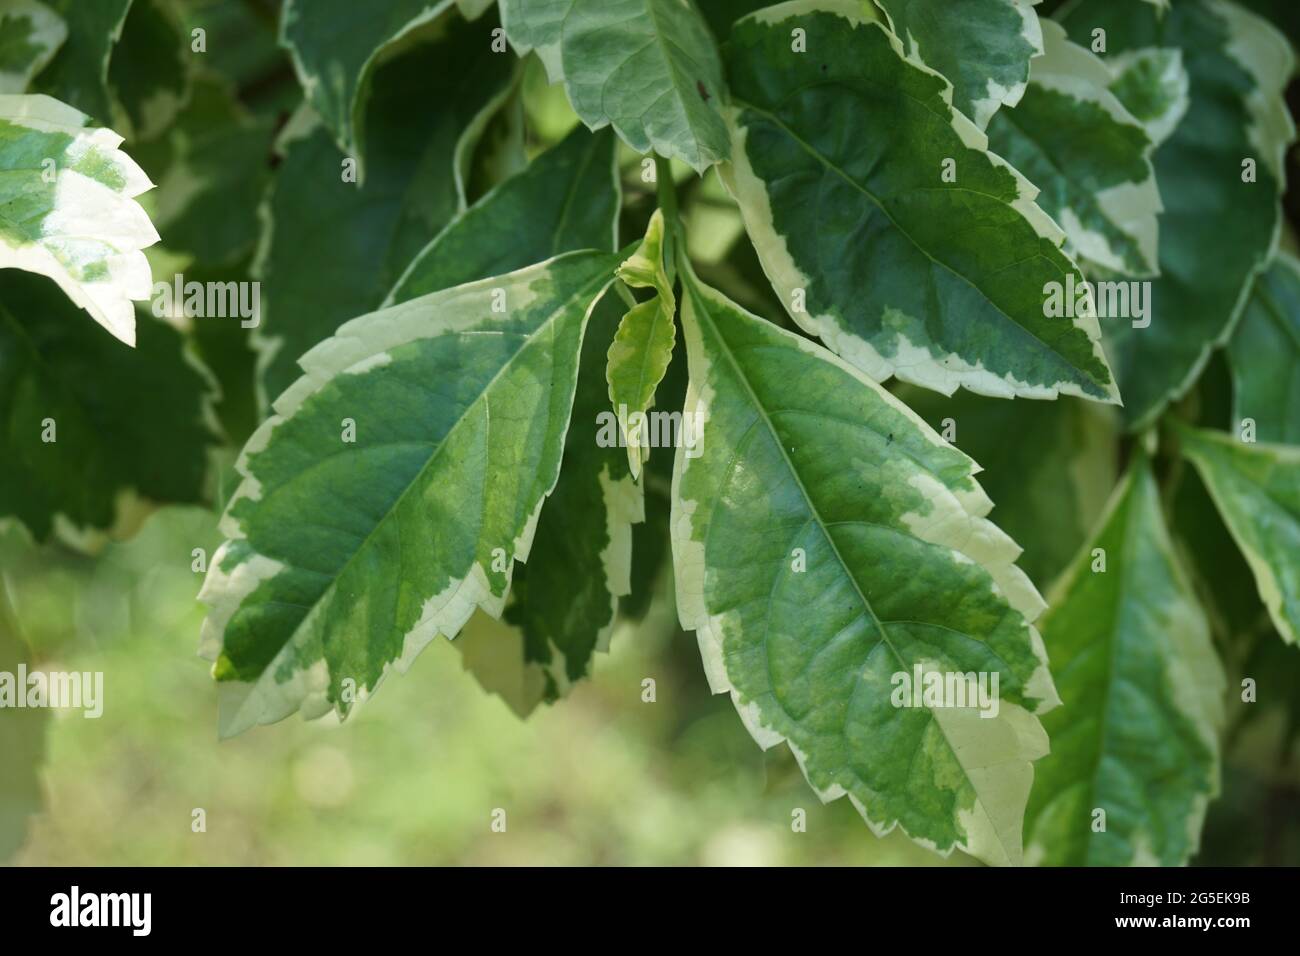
x=563 y=599
x=643 y=345
x=316 y=275
x=1257 y=490
x=148 y=73
x=78 y=74
x=565 y=199
x=335 y=46
x=649 y=68
x=30 y=34
x=69 y=209
x=1217 y=231
x=128 y=428
x=1265 y=355
x=983 y=47
x=1154 y=87
x=1088 y=156
x=393 y=488
x=839 y=164
x=22 y=740
x=1138 y=737
x=826 y=540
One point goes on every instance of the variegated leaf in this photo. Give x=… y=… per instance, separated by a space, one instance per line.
x=30 y=34
x=1154 y=87
x=148 y=73
x=1265 y=355
x=78 y=74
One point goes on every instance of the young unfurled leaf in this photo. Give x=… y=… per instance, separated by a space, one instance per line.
x=827 y=545
x=93 y=434
x=643 y=345
x=30 y=34
x=1087 y=155
x=1220 y=175
x=1135 y=754
x=394 y=487
x=566 y=199
x=1265 y=355
x=334 y=248
x=983 y=47
x=647 y=67
x=78 y=74
x=1154 y=87
x=885 y=224
x=70 y=211
x=1257 y=490
x=335 y=45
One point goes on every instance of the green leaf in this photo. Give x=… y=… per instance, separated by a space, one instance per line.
x=349 y=551
x=78 y=74
x=149 y=69
x=566 y=199
x=1143 y=691
x=1217 y=231
x=1257 y=490
x=1154 y=87
x=22 y=742
x=839 y=159
x=30 y=34
x=643 y=346
x=983 y=47
x=126 y=428
x=826 y=540
x=1090 y=158
x=70 y=212
x=335 y=46
x=334 y=249
x=647 y=67
x=1265 y=355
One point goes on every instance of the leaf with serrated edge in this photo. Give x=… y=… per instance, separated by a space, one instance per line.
x=81 y=226
x=345 y=559
x=983 y=47
x=1088 y=156
x=902 y=570
x=30 y=34
x=841 y=190
x=1217 y=232
x=1265 y=355
x=1257 y=490
x=647 y=67
x=1143 y=691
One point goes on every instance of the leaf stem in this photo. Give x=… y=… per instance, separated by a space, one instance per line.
x=667 y=194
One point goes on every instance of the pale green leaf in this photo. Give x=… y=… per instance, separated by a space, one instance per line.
x=1265 y=355
x=69 y=209
x=983 y=47
x=1257 y=490
x=649 y=68
x=1087 y=155
x=1137 y=738
x=825 y=541
x=30 y=34
x=853 y=173
x=393 y=488
x=1219 y=228
x=78 y=74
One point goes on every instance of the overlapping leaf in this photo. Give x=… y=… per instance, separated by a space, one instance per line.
x=1154 y=87
x=346 y=557
x=1135 y=755
x=149 y=69
x=78 y=74
x=30 y=34
x=885 y=224
x=1265 y=355
x=826 y=540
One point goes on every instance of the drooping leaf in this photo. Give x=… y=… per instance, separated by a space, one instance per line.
x=93 y=432
x=1048 y=466
x=393 y=488
x=643 y=345
x=983 y=47
x=1088 y=156
x=1265 y=355
x=30 y=34
x=851 y=170
x=649 y=68
x=69 y=209
x=78 y=74
x=335 y=46
x=826 y=541
x=334 y=249
x=564 y=200
x=1135 y=754
x=1257 y=490
x=1154 y=87
x=1220 y=175
x=22 y=742
x=149 y=69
